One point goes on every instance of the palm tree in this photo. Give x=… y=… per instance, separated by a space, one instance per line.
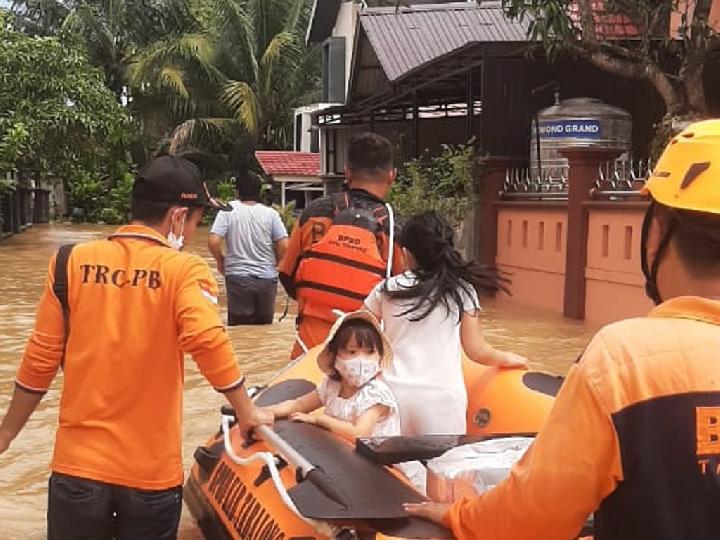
x=115 y=31
x=119 y=32
x=38 y=17
x=224 y=74
x=266 y=72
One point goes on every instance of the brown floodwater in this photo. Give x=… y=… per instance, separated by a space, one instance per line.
x=551 y=343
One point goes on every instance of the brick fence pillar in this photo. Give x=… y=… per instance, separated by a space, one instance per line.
x=489 y=181
x=583 y=172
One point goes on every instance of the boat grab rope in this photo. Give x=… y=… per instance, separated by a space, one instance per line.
x=391 y=240
x=270 y=461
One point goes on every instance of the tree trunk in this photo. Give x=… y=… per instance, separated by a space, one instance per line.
x=695 y=92
x=674 y=103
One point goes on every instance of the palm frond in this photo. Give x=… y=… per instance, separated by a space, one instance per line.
x=293 y=18
x=282 y=56
x=100 y=41
x=201 y=131
x=242 y=101
x=282 y=42
x=173 y=78
x=181 y=136
x=198 y=50
x=194 y=53
x=115 y=13
x=234 y=31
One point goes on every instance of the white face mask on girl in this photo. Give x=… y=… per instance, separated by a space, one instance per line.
x=358 y=370
x=177 y=240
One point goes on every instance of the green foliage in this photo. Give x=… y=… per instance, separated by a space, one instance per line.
x=443 y=183
x=12 y=143
x=115 y=32
x=38 y=17
x=288 y=215
x=116 y=208
x=263 y=71
x=95 y=199
x=225 y=191
x=671 y=59
x=6 y=185
x=56 y=113
x=220 y=75
x=85 y=193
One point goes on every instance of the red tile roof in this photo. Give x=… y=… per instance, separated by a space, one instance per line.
x=277 y=162
x=608 y=25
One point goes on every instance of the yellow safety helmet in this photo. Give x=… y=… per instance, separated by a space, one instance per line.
x=687 y=175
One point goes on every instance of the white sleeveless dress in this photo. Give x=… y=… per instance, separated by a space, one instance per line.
x=375 y=392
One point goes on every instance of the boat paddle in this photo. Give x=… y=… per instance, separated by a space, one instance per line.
x=316 y=475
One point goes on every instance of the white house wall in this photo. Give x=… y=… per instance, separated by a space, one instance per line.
x=345 y=25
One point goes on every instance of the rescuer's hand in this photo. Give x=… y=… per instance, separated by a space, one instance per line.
x=429 y=510
x=257 y=417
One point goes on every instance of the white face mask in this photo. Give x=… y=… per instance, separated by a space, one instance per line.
x=177 y=240
x=358 y=370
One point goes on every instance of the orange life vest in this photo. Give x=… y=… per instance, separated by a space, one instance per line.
x=340 y=270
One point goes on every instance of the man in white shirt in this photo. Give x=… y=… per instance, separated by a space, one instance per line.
x=256 y=241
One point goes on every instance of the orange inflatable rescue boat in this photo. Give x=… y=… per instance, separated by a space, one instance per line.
x=300 y=482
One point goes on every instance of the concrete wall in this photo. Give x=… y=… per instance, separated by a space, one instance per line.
x=531 y=249
x=615 y=286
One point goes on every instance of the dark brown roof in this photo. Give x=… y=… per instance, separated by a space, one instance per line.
x=407 y=38
x=322 y=20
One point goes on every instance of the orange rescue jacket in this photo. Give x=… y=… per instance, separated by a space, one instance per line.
x=136 y=305
x=338 y=252
x=634 y=434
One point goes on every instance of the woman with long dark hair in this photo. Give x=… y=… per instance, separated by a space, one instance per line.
x=429 y=313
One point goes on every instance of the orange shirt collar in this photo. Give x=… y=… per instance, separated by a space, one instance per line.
x=690 y=307
x=140 y=231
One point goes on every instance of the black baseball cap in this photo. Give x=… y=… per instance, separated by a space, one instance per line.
x=174 y=180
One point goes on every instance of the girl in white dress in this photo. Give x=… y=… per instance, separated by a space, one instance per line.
x=429 y=313
x=357 y=401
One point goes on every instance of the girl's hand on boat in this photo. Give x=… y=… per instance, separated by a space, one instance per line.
x=268 y=411
x=429 y=510
x=303 y=417
x=512 y=360
x=264 y=417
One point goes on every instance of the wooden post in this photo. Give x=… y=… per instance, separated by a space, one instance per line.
x=583 y=172
x=415 y=127
x=489 y=181
x=470 y=104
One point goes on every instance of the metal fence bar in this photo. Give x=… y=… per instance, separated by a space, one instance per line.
x=621 y=179
x=616 y=180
